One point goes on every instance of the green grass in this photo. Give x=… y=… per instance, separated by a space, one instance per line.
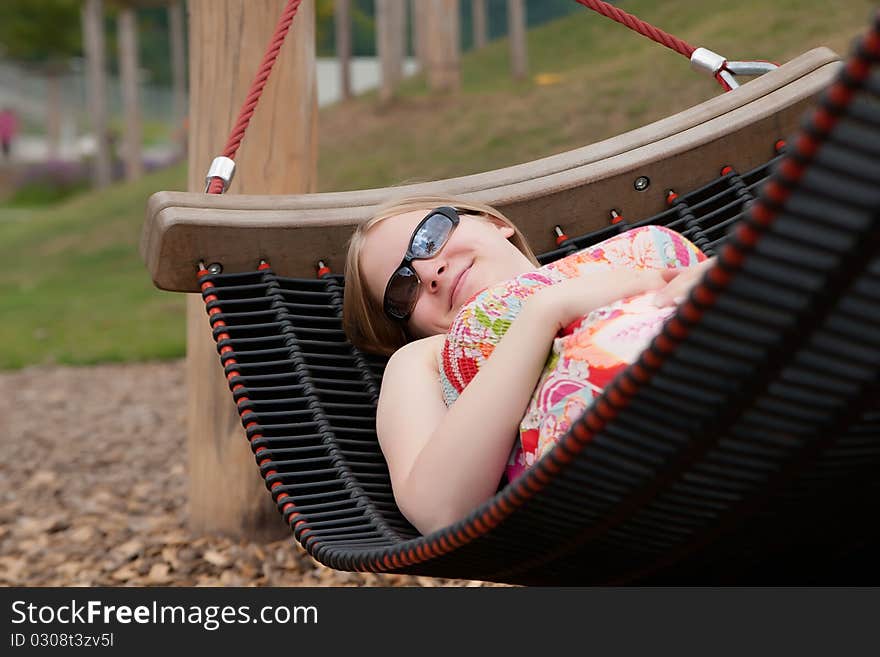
x=42 y=194
x=74 y=290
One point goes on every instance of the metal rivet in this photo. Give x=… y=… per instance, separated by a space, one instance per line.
x=642 y=183
x=215 y=268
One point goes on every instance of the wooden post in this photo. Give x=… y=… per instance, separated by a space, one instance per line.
x=278 y=155
x=481 y=25
x=516 y=34
x=178 y=68
x=342 y=24
x=390 y=19
x=96 y=73
x=442 y=42
x=131 y=105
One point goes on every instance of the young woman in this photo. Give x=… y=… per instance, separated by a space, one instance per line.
x=415 y=267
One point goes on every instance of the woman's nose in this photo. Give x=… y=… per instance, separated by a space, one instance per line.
x=430 y=272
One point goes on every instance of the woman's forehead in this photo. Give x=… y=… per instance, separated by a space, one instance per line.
x=393 y=233
x=403 y=223
x=385 y=244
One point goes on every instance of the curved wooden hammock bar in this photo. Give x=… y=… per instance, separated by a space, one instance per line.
x=741 y=447
x=576 y=189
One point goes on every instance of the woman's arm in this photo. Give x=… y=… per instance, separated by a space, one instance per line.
x=444 y=462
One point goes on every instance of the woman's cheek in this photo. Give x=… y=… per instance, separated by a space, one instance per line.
x=433 y=319
x=421 y=324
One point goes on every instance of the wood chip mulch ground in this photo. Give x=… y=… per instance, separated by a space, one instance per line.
x=93 y=490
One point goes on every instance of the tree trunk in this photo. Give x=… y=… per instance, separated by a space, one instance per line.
x=481 y=25
x=278 y=155
x=132 y=138
x=442 y=42
x=516 y=32
x=390 y=19
x=96 y=73
x=342 y=24
x=178 y=71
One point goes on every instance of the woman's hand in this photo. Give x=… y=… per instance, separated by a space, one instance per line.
x=573 y=298
x=674 y=292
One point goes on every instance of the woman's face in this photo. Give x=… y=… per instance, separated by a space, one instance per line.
x=476 y=255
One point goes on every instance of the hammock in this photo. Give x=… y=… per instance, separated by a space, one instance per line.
x=741 y=447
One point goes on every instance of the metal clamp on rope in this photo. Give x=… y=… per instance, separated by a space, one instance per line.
x=706 y=61
x=222 y=167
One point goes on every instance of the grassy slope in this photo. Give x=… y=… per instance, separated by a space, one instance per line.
x=612 y=80
x=73 y=290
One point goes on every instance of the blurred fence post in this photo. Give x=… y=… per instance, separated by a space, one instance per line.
x=131 y=102
x=516 y=33
x=342 y=25
x=481 y=25
x=178 y=70
x=96 y=71
x=278 y=155
x=440 y=30
x=55 y=102
x=390 y=21
x=419 y=32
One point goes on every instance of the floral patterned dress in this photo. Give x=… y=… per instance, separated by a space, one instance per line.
x=585 y=356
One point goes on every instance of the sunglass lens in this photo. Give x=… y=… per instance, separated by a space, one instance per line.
x=402 y=292
x=431 y=237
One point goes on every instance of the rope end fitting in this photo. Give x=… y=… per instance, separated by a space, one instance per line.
x=223 y=168
x=706 y=61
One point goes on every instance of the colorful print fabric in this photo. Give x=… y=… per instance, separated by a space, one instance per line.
x=584 y=357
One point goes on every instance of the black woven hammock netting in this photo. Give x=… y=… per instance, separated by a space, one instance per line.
x=749 y=455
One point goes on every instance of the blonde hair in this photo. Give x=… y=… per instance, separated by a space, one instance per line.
x=367 y=326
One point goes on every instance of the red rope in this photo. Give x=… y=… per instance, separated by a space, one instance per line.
x=253 y=97
x=639 y=26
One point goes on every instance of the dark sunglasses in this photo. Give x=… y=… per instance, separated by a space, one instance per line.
x=431 y=235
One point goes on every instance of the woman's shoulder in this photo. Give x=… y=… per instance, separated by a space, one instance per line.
x=422 y=350
x=413 y=366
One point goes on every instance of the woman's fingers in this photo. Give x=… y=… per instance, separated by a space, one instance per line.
x=670 y=274
x=673 y=292
x=679 y=282
x=663 y=299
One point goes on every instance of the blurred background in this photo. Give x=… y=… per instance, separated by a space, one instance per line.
x=585 y=78
x=94 y=119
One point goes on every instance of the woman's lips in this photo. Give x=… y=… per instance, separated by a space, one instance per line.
x=459 y=286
